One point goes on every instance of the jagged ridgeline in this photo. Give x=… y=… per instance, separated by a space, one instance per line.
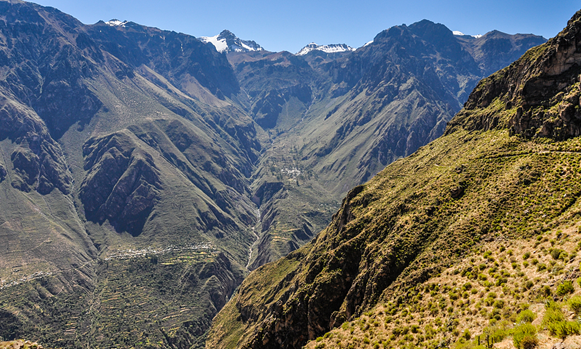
x=449 y=243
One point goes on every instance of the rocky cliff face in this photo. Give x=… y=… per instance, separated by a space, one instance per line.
x=537 y=96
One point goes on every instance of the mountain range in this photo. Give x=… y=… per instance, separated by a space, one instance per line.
x=144 y=173
x=470 y=242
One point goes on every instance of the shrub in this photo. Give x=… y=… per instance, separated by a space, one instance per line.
x=501 y=281
x=497 y=330
x=526 y=255
x=529 y=342
x=526 y=316
x=499 y=304
x=555 y=253
x=575 y=304
x=555 y=322
x=565 y=288
x=523 y=331
x=553 y=312
x=563 y=329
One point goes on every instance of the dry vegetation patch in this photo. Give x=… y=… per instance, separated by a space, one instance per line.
x=504 y=294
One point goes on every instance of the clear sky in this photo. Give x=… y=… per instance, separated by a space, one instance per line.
x=291 y=24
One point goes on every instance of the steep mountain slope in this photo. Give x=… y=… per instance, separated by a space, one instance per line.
x=124 y=175
x=506 y=170
x=335 y=120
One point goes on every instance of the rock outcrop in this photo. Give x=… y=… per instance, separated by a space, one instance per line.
x=537 y=96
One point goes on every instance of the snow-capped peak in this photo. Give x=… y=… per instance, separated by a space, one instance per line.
x=228 y=42
x=333 y=48
x=116 y=23
x=459 y=33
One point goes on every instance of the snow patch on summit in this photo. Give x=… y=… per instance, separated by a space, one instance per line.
x=333 y=48
x=228 y=42
x=220 y=44
x=459 y=33
x=116 y=23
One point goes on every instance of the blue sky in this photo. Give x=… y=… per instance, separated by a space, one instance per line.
x=290 y=25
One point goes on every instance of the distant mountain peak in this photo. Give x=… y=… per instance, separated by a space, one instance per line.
x=332 y=48
x=226 y=41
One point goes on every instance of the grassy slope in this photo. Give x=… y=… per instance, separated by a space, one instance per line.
x=483 y=294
